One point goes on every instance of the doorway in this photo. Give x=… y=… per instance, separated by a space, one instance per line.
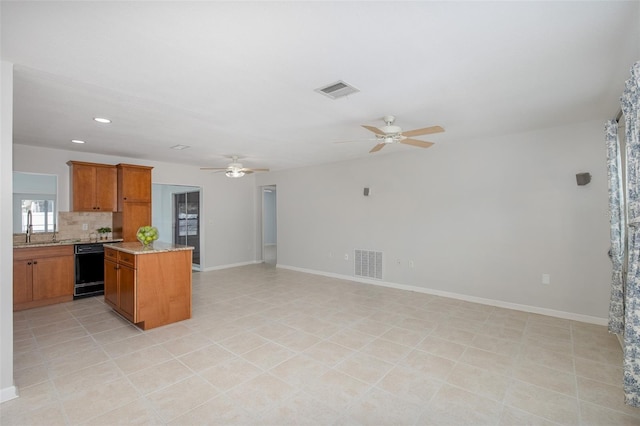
x=169 y=204
x=186 y=221
x=269 y=225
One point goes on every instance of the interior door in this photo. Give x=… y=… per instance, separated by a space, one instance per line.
x=186 y=224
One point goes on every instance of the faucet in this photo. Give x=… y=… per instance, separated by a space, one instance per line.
x=29 y=226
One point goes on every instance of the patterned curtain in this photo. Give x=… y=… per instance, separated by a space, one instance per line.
x=617 y=221
x=631 y=108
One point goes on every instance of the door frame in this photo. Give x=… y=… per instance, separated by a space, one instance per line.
x=175 y=222
x=162 y=202
x=263 y=189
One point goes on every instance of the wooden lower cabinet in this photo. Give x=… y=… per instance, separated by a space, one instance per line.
x=111 y=280
x=150 y=289
x=42 y=276
x=127 y=292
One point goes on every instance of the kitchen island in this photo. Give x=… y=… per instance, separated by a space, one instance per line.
x=150 y=287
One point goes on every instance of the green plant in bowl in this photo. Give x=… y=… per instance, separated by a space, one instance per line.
x=147 y=235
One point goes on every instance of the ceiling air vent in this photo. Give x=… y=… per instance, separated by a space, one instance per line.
x=336 y=90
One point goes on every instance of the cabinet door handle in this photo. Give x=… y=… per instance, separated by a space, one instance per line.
x=35 y=262
x=29 y=263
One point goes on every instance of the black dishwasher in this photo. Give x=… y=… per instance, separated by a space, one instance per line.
x=89 y=270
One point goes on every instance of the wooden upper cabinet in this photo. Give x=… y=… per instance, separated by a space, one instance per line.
x=106 y=185
x=134 y=184
x=134 y=200
x=93 y=187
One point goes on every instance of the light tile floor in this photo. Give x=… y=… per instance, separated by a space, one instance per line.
x=275 y=347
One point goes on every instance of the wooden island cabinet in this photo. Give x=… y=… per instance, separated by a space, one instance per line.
x=149 y=287
x=42 y=276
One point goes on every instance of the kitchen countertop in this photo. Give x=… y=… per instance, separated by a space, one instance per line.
x=63 y=243
x=157 y=247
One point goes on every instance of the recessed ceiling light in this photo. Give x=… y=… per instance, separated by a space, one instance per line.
x=102 y=120
x=76 y=141
x=180 y=147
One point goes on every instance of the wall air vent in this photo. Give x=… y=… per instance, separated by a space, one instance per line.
x=368 y=264
x=336 y=90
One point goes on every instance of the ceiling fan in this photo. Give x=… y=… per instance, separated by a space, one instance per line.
x=391 y=133
x=234 y=169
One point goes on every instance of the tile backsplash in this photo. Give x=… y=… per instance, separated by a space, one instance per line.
x=71 y=223
x=70 y=226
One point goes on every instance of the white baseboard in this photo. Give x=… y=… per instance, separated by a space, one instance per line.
x=231 y=265
x=491 y=302
x=7 y=394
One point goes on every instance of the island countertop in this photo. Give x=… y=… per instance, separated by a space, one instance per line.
x=157 y=247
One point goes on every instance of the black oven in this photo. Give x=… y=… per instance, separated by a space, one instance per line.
x=89 y=272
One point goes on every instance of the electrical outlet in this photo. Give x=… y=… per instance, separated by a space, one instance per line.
x=346 y=256
x=85 y=227
x=546 y=279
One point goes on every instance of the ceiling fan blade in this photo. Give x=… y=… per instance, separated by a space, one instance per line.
x=255 y=170
x=416 y=142
x=423 y=131
x=377 y=148
x=374 y=130
x=213 y=168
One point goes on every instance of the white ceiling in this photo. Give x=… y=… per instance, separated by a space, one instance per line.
x=239 y=77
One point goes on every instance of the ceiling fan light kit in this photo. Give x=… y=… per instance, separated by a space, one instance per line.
x=234 y=169
x=234 y=173
x=390 y=133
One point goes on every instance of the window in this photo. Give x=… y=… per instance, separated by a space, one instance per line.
x=37 y=193
x=42 y=213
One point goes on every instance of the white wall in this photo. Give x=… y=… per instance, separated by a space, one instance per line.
x=484 y=218
x=162 y=214
x=227 y=212
x=7 y=388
